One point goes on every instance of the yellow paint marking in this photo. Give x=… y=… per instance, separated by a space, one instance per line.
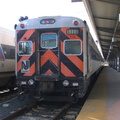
x=95 y=106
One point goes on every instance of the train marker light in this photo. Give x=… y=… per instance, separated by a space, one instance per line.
x=22 y=25
x=65 y=83
x=75 y=22
x=30 y=82
x=47 y=21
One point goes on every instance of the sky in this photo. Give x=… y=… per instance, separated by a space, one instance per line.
x=11 y=10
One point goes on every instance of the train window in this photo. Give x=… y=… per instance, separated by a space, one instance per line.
x=49 y=40
x=25 y=48
x=1 y=54
x=12 y=53
x=8 y=51
x=73 y=47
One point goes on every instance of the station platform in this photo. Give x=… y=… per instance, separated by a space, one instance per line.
x=103 y=102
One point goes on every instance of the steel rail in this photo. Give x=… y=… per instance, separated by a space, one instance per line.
x=20 y=112
x=62 y=112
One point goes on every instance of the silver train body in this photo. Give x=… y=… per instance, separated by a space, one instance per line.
x=64 y=63
x=7 y=58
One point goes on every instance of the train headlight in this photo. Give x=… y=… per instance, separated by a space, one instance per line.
x=31 y=82
x=65 y=83
x=75 y=22
x=22 y=25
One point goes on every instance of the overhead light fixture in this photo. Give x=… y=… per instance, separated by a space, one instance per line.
x=111 y=47
x=114 y=39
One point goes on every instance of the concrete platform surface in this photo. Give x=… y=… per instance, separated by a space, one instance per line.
x=103 y=102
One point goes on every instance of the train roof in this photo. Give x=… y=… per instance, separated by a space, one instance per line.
x=52 y=22
x=7 y=37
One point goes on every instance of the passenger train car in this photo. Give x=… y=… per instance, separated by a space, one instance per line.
x=55 y=54
x=7 y=59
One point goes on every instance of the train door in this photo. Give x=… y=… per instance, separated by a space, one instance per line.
x=88 y=51
x=49 y=54
x=2 y=59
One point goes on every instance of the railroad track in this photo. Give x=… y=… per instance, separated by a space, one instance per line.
x=44 y=111
x=62 y=112
x=19 y=112
x=11 y=104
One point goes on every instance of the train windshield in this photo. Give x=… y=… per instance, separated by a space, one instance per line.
x=25 y=48
x=73 y=47
x=49 y=40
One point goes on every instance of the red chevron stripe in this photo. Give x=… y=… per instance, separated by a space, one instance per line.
x=62 y=47
x=66 y=72
x=49 y=55
x=81 y=28
x=32 y=70
x=33 y=47
x=49 y=72
x=76 y=61
x=27 y=34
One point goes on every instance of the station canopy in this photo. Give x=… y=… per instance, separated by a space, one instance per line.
x=106 y=16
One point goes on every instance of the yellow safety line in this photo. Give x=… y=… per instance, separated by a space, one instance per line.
x=95 y=106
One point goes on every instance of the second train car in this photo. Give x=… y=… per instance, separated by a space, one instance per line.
x=7 y=59
x=55 y=54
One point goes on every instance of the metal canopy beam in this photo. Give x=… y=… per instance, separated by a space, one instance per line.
x=105 y=18
x=107 y=46
x=109 y=30
x=109 y=1
x=105 y=40
x=105 y=35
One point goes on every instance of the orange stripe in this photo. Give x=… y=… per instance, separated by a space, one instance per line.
x=33 y=47
x=32 y=70
x=27 y=34
x=81 y=28
x=66 y=72
x=76 y=61
x=49 y=72
x=49 y=55
x=62 y=47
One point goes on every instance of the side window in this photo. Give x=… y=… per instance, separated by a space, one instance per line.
x=12 y=53
x=25 y=48
x=49 y=40
x=8 y=51
x=73 y=47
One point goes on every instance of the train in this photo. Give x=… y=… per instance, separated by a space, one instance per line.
x=7 y=59
x=55 y=56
